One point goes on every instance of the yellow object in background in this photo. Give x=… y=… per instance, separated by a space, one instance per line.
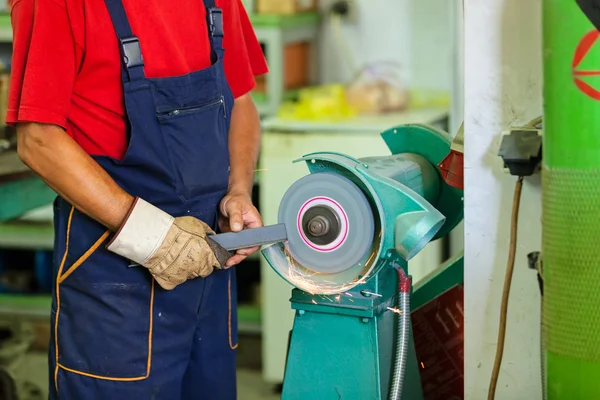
x=423 y=98
x=331 y=103
x=319 y=103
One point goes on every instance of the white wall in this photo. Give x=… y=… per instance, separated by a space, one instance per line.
x=502 y=88
x=414 y=33
x=458 y=98
x=432 y=43
x=458 y=70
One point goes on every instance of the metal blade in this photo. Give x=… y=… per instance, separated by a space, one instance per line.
x=251 y=237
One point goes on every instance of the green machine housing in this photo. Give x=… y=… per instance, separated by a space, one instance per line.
x=345 y=341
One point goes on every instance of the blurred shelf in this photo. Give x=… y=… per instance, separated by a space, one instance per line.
x=288 y=95
x=275 y=32
x=284 y=21
x=23 y=235
x=262 y=101
x=6 y=33
x=35 y=231
x=377 y=123
x=37 y=307
x=249 y=321
x=258 y=20
x=33 y=307
x=20 y=190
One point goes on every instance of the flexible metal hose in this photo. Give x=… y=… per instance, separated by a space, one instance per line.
x=402 y=340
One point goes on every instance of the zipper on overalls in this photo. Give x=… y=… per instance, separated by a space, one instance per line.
x=184 y=110
x=224 y=107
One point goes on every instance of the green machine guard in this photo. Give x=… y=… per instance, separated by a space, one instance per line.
x=343 y=347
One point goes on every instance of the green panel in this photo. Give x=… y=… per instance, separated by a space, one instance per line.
x=27 y=235
x=571 y=221
x=571 y=379
x=27 y=307
x=441 y=280
x=410 y=138
x=38 y=306
x=571 y=118
x=571 y=209
x=19 y=197
x=26 y=301
x=5 y=20
x=335 y=357
x=249 y=313
x=320 y=365
x=262 y=98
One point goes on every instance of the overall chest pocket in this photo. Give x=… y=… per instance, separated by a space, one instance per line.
x=196 y=137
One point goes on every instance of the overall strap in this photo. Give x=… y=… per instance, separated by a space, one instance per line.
x=132 y=60
x=214 y=22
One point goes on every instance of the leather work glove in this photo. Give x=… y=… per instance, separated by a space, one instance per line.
x=173 y=249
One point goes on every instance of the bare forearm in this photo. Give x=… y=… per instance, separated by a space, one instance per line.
x=72 y=173
x=244 y=144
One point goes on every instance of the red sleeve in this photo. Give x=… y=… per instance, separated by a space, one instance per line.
x=43 y=63
x=244 y=59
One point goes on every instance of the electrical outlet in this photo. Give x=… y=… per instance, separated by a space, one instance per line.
x=352 y=11
x=521 y=151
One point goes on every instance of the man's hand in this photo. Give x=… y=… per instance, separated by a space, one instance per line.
x=173 y=249
x=237 y=213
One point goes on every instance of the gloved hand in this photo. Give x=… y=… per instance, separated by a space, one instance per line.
x=173 y=249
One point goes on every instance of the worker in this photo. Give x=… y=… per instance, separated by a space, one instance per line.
x=139 y=115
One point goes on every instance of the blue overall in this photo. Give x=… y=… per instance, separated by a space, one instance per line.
x=117 y=334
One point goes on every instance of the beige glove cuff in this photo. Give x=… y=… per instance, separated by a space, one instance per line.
x=142 y=233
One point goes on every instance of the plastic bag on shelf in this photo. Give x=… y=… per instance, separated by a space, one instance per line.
x=378 y=88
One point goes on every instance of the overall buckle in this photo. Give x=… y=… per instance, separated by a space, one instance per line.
x=132 y=52
x=215 y=22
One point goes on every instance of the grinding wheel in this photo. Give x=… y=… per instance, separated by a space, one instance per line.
x=329 y=222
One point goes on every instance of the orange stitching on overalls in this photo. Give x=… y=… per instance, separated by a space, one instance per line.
x=62 y=264
x=149 y=364
x=231 y=345
x=61 y=278
x=84 y=257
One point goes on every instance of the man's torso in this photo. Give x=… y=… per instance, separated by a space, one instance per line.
x=174 y=41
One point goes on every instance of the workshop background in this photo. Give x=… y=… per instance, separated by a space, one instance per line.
x=327 y=74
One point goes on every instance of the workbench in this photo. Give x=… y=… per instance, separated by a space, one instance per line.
x=6 y=33
x=20 y=189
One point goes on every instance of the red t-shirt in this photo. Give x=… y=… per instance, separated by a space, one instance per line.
x=66 y=66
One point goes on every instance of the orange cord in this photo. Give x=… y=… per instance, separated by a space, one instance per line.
x=506 y=291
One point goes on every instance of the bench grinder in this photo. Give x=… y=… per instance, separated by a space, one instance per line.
x=347 y=231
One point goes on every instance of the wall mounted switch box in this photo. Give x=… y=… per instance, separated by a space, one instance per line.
x=521 y=151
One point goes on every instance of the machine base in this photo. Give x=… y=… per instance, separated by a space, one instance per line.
x=342 y=347
x=341 y=353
